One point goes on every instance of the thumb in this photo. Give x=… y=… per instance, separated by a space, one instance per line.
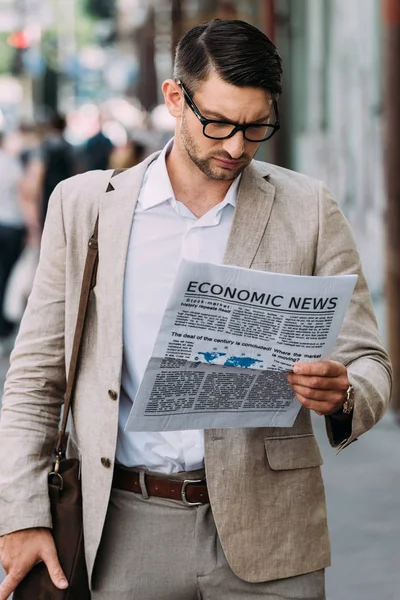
x=54 y=568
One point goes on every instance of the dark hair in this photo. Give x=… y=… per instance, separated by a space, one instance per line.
x=238 y=52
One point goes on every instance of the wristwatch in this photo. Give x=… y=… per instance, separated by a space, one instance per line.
x=348 y=403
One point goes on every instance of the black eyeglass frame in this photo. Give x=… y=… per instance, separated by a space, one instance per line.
x=236 y=126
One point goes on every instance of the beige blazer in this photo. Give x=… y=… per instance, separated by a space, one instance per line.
x=265 y=484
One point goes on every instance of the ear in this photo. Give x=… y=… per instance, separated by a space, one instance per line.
x=173 y=97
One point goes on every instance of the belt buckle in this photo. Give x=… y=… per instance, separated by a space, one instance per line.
x=185 y=483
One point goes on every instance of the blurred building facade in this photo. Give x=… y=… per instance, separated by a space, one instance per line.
x=335 y=112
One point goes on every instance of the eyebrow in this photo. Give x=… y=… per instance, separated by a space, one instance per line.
x=220 y=117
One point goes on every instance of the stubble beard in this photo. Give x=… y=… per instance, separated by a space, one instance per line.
x=205 y=164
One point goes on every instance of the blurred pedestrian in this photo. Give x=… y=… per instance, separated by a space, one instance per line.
x=29 y=141
x=51 y=163
x=127 y=156
x=56 y=156
x=228 y=513
x=97 y=150
x=28 y=150
x=12 y=228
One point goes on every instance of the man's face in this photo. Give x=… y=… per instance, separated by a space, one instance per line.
x=225 y=159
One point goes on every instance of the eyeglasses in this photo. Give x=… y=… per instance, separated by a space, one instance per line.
x=222 y=130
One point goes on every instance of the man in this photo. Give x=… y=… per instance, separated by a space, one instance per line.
x=263 y=534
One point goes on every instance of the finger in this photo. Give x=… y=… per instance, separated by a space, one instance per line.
x=320 y=383
x=331 y=396
x=321 y=408
x=325 y=368
x=10 y=583
x=54 y=568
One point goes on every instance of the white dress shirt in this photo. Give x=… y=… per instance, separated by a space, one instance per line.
x=163 y=231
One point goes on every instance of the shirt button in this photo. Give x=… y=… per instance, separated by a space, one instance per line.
x=113 y=394
x=106 y=462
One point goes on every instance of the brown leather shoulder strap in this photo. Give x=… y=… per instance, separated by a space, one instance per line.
x=89 y=271
x=88 y=283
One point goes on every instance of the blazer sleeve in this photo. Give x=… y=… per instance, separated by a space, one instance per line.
x=34 y=388
x=358 y=346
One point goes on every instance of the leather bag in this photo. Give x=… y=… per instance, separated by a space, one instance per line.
x=64 y=481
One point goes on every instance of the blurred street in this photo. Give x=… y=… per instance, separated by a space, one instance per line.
x=363 y=495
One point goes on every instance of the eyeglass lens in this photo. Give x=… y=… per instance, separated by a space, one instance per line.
x=222 y=130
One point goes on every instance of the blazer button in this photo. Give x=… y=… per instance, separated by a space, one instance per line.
x=106 y=462
x=113 y=394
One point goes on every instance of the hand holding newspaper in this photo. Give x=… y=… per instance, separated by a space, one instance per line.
x=228 y=339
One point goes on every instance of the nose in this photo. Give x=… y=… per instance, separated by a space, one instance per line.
x=235 y=145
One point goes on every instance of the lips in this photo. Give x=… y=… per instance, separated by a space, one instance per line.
x=228 y=164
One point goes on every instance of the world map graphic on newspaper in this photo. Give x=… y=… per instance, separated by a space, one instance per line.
x=213 y=358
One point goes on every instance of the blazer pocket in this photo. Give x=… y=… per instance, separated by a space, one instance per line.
x=293 y=452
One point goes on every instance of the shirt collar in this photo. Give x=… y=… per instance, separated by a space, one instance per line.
x=158 y=188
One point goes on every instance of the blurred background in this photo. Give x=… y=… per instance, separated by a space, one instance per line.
x=80 y=89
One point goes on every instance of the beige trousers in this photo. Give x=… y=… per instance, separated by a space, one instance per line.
x=159 y=549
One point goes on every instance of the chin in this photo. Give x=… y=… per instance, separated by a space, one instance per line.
x=224 y=176
x=227 y=174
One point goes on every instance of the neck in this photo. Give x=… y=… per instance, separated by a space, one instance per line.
x=191 y=186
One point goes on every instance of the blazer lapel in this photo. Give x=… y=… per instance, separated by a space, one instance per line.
x=116 y=210
x=253 y=209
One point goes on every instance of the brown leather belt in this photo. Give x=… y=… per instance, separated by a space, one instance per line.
x=191 y=492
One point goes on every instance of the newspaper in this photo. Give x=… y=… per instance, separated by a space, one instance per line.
x=227 y=341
